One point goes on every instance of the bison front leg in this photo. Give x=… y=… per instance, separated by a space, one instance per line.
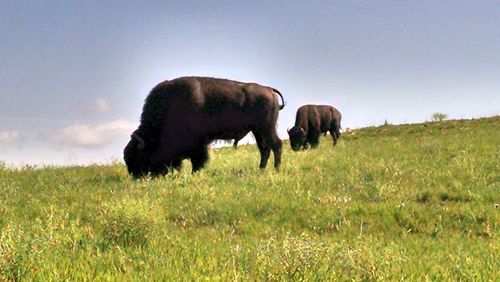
x=175 y=164
x=314 y=139
x=199 y=158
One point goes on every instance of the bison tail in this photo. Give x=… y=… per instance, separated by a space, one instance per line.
x=282 y=100
x=337 y=122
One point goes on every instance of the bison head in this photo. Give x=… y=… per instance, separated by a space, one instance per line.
x=136 y=156
x=297 y=137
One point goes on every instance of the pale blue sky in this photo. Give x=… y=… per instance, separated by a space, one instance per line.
x=75 y=73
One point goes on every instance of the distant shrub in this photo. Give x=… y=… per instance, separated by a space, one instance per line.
x=439 y=116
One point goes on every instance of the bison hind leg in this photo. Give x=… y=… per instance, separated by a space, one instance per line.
x=199 y=157
x=267 y=141
x=334 y=136
x=335 y=132
x=264 y=150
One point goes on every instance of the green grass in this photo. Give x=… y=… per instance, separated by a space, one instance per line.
x=410 y=202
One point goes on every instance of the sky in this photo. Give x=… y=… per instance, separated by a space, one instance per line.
x=74 y=74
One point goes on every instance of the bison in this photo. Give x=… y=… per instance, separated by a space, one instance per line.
x=181 y=117
x=310 y=122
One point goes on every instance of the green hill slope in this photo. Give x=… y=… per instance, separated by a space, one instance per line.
x=409 y=202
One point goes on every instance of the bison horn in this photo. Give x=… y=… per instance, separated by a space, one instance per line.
x=302 y=129
x=141 y=144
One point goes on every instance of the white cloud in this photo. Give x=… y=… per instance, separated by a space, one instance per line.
x=7 y=137
x=87 y=136
x=100 y=105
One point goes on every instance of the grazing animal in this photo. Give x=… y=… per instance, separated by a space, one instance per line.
x=310 y=122
x=182 y=116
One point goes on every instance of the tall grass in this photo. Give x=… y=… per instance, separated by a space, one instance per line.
x=411 y=202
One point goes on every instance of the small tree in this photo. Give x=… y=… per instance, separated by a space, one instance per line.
x=439 y=116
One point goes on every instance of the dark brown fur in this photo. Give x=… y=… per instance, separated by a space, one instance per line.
x=310 y=122
x=182 y=116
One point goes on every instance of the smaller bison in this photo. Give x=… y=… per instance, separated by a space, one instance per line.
x=310 y=122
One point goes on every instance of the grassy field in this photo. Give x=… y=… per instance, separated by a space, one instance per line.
x=410 y=202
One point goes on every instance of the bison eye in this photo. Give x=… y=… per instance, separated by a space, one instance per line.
x=140 y=146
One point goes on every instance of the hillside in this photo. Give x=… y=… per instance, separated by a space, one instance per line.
x=408 y=202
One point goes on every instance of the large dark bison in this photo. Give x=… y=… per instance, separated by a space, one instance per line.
x=310 y=122
x=182 y=116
